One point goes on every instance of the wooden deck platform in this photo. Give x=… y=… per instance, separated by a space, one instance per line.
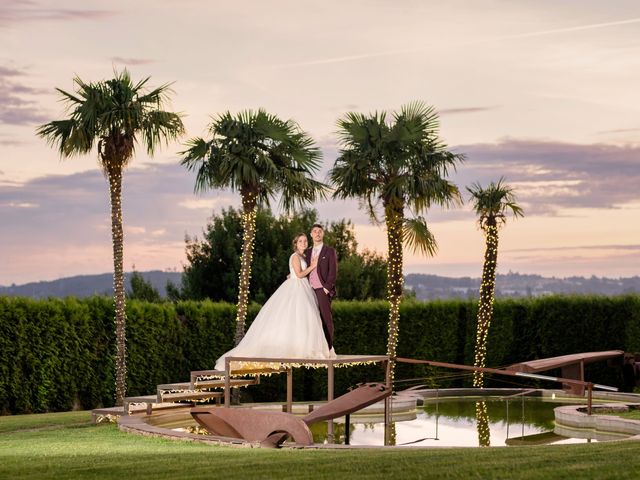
x=254 y=365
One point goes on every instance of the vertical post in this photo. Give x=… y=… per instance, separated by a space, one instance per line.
x=347 y=429
x=289 y=389
x=227 y=383
x=589 y=397
x=330 y=398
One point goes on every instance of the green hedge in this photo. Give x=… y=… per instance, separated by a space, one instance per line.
x=58 y=354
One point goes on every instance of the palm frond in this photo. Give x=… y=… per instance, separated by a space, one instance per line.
x=398 y=161
x=418 y=237
x=493 y=202
x=113 y=113
x=257 y=151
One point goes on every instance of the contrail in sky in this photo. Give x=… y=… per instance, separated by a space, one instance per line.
x=542 y=33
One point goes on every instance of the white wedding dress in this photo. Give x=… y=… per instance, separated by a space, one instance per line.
x=287 y=326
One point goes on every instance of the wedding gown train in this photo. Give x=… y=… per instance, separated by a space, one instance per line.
x=287 y=326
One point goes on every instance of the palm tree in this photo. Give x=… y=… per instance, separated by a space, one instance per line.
x=402 y=164
x=491 y=204
x=260 y=156
x=114 y=115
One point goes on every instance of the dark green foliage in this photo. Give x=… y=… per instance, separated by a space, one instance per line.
x=58 y=354
x=142 y=289
x=214 y=262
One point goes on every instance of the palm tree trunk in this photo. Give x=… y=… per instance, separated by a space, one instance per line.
x=485 y=305
x=249 y=199
x=394 y=218
x=115 y=192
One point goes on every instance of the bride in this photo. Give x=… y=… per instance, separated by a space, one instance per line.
x=288 y=324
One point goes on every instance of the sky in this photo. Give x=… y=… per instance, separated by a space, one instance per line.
x=540 y=92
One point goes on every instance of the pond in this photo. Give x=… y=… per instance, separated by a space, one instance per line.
x=461 y=422
x=455 y=421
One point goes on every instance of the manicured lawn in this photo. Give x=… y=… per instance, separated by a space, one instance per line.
x=633 y=414
x=66 y=446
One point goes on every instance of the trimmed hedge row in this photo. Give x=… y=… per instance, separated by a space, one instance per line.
x=58 y=354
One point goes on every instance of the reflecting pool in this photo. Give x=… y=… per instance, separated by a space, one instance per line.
x=461 y=422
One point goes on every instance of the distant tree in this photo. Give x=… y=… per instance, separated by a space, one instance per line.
x=400 y=164
x=173 y=292
x=491 y=204
x=114 y=115
x=213 y=263
x=259 y=155
x=142 y=289
x=362 y=276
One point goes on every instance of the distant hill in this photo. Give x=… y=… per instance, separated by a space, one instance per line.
x=428 y=287
x=87 y=285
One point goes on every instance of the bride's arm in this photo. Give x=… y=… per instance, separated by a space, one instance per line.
x=297 y=267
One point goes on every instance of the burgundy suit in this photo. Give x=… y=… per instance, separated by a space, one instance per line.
x=327 y=272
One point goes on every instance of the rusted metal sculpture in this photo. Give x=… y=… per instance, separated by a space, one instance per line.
x=572 y=366
x=273 y=428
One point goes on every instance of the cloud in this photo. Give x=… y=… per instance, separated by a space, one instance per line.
x=452 y=111
x=64 y=220
x=132 y=61
x=578 y=247
x=551 y=176
x=14 y=12
x=192 y=203
x=11 y=142
x=17 y=107
x=619 y=130
x=20 y=205
x=489 y=40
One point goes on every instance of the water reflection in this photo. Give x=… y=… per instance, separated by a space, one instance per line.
x=482 y=424
x=461 y=422
x=472 y=422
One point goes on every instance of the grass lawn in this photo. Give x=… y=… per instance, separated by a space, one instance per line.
x=67 y=445
x=633 y=414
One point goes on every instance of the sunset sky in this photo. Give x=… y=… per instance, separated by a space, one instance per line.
x=544 y=93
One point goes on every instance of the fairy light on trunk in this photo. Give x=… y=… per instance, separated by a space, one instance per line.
x=482 y=423
x=485 y=304
x=114 y=174
x=395 y=279
x=248 y=219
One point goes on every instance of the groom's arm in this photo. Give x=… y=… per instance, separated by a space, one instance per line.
x=330 y=283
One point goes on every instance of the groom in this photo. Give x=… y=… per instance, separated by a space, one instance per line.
x=323 y=278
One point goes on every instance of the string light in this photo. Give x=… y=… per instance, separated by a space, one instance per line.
x=395 y=280
x=485 y=304
x=114 y=174
x=248 y=219
x=482 y=424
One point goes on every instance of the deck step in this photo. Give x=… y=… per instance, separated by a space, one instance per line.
x=149 y=400
x=234 y=382
x=220 y=374
x=203 y=384
x=187 y=395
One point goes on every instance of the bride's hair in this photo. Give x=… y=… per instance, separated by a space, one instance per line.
x=295 y=240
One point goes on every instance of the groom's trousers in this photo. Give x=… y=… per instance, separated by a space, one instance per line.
x=324 y=304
